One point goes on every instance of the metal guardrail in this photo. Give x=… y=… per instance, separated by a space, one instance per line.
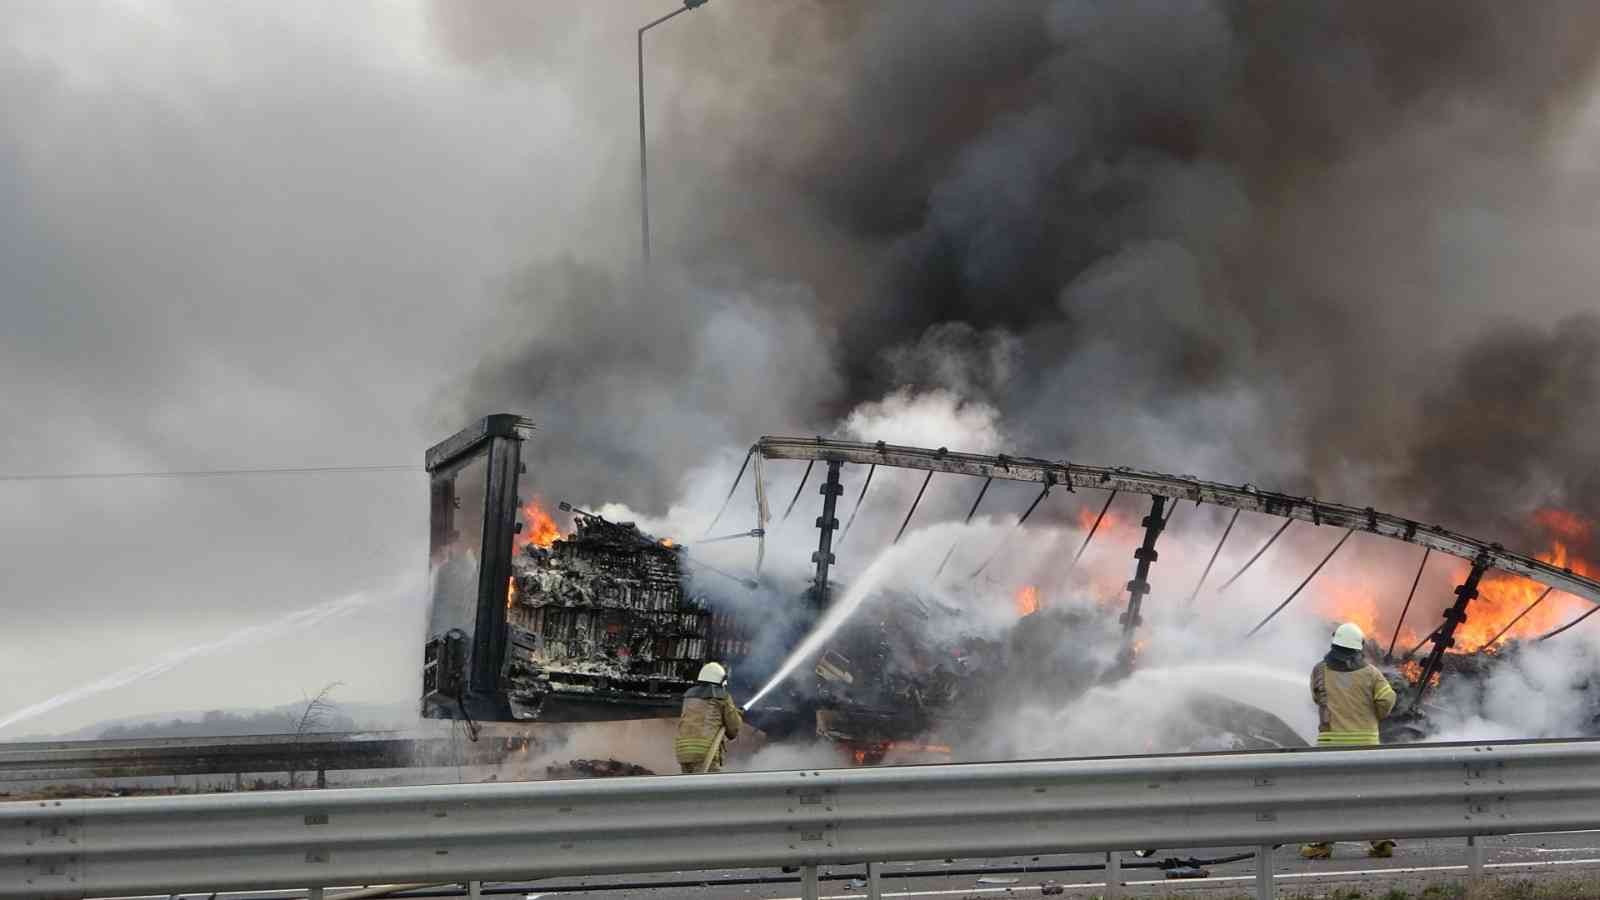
x=455 y=833
x=61 y=760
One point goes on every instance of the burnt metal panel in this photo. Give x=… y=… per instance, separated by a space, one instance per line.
x=466 y=440
x=499 y=524
x=1175 y=487
x=473 y=502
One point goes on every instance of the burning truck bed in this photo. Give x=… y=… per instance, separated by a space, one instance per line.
x=602 y=624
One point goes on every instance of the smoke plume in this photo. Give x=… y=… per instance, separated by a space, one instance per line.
x=1338 y=250
x=1271 y=242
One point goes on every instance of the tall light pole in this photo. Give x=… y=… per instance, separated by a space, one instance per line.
x=644 y=169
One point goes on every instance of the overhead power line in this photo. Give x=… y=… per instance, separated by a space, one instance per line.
x=206 y=473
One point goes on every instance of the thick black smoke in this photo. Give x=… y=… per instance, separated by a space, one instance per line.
x=1340 y=249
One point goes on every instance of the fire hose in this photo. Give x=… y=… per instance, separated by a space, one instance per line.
x=716 y=746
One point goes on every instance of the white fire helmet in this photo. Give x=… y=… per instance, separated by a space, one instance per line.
x=1349 y=636
x=713 y=673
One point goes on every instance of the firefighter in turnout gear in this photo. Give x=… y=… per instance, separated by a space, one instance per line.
x=709 y=719
x=1352 y=697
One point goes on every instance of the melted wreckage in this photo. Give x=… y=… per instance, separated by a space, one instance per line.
x=602 y=624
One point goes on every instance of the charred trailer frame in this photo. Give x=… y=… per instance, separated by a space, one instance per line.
x=597 y=626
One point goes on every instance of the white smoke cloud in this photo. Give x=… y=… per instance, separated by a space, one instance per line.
x=936 y=418
x=1538 y=690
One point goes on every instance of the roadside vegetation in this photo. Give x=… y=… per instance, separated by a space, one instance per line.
x=1564 y=889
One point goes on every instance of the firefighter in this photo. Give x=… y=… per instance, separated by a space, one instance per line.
x=1352 y=697
x=709 y=719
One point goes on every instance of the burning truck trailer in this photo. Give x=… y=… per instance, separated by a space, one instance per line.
x=528 y=625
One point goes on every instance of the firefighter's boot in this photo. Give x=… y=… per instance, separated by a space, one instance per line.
x=1316 y=851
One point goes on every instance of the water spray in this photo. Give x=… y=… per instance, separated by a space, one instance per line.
x=254 y=634
x=839 y=613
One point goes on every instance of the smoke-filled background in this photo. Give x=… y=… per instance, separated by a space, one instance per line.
x=1337 y=251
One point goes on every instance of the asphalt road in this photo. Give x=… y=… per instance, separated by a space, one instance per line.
x=1415 y=865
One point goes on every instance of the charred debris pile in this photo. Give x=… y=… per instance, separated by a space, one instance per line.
x=916 y=678
x=908 y=674
x=602 y=627
x=595 y=768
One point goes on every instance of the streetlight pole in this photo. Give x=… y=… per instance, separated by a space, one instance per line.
x=644 y=168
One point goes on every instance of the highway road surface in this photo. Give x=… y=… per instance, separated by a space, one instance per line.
x=1415 y=865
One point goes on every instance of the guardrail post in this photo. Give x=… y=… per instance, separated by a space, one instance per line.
x=1474 y=860
x=808 y=883
x=314 y=894
x=475 y=890
x=1264 y=890
x=1113 y=875
x=874 y=889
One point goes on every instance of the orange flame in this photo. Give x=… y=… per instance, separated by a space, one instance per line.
x=1086 y=517
x=538 y=528
x=1027 y=600
x=511 y=591
x=668 y=543
x=1357 y=603
x=914 y=747
x=1501 y=596
x=1411 y=670
x=877 y=750
x=1564 y=526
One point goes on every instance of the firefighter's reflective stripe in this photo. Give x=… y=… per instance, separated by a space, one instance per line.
x=1384 y=697
x=1347 y=738
x=691 y=750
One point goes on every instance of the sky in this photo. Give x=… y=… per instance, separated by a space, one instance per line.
x=1306 y=248
x=234 y=236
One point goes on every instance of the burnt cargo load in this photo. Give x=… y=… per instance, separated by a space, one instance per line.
x=910 y=670
x=596 y=626
x=911 y=675
x=601 y=626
